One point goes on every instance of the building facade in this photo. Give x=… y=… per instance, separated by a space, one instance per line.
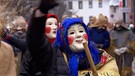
x=122 y=9
x=131 y=14
x=87 y=8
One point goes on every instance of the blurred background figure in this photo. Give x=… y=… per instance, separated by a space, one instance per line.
x=99 y=35
x=121 y=37
x=110 y=26
x=92 y=19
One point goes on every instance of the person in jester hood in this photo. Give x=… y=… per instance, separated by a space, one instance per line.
x=66 y=57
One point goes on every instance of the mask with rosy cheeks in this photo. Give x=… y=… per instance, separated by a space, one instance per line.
x=51 y=27
x=70 y=36
x=76 y=37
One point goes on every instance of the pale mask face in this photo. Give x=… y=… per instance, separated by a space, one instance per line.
x=76 y=37
x=51 y=28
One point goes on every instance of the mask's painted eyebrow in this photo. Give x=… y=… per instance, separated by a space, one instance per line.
x=80 y=25
x=70 y=27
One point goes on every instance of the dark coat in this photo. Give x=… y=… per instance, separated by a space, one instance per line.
x=100 y=36
x=28 y=66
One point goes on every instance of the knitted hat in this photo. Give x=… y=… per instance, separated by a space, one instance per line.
x=102 y=20
x=62 y=42
x=53 y=16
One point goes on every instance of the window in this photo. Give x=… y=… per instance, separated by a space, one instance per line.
x=80 y=5
x=70 y=5
x=114 y=9
x=90 y=4
x=100 y=4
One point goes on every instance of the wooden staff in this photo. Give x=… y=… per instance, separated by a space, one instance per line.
x=90 y=59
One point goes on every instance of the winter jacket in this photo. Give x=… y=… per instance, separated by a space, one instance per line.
x=100 y=37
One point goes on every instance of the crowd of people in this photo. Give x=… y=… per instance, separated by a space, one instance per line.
x=46 y=46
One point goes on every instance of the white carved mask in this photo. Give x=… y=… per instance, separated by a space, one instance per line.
x=51 y=28
x=76 y=37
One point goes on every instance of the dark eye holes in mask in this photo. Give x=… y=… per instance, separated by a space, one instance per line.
x=73 y=32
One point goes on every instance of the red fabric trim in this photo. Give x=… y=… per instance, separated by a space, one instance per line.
x=8 y=37
x=51 y=40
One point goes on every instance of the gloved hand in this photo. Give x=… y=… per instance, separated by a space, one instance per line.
x=121 y=50
x=99 y=45
x=46 y=5
x=117 y=51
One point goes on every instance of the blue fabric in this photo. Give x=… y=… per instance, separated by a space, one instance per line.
x=62 y=42
x=73 y=65
x=100 y=37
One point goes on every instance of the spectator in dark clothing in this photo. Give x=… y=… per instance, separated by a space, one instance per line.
x=28 y=65
x=19 y=43
x=19 y=33
x=98 y=34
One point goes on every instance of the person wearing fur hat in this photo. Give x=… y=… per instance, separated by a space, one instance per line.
x=28 y=65
x=7 y=60
x=66 y=57
x=121 y=36
x=98 y=34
